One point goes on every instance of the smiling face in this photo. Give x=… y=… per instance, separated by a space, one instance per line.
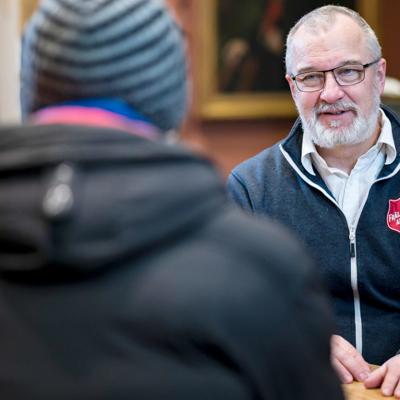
x=337 y=115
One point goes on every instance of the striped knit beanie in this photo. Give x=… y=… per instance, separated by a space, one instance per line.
x=130 y=50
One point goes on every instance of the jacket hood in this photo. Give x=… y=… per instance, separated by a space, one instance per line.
x=78 y=199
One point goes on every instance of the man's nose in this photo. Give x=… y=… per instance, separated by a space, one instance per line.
x=332 y=91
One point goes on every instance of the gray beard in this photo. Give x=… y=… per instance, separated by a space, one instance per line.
x=361 y=129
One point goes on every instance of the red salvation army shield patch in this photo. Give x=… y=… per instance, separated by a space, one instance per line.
x=393 y=215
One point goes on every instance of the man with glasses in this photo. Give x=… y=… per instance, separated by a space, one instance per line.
x=334 y=180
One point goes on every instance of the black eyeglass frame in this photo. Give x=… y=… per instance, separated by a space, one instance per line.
x=293 y=77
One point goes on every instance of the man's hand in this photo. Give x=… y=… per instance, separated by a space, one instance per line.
x=387 y=376
x=348 y=362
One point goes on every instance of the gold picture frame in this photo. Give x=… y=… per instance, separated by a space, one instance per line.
x=27 y=7
x=212 y=103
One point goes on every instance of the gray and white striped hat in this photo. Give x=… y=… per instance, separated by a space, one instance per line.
x=123 y=49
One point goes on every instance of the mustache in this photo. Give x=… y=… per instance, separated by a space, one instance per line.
x=337 y=107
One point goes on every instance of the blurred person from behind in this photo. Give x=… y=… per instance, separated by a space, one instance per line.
x=125 y=272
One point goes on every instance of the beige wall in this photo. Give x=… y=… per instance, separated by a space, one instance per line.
x=9 y=50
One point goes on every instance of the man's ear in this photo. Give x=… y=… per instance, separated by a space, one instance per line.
x=292 y=85
x=381 y=74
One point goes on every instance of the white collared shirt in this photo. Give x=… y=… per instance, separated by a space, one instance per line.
x=351 y=189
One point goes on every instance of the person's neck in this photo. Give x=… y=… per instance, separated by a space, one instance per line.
x=344 y=157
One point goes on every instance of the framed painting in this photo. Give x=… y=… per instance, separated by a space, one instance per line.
x=241 y=60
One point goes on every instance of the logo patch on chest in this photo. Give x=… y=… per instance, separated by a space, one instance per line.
x=393 y=215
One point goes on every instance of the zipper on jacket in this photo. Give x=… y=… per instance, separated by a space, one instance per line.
x=352 y=250
x=354 y=286
x=352 y=237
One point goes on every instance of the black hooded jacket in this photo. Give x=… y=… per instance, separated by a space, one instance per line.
x=124 y=274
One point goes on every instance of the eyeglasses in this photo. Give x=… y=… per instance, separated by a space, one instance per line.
x=345 y=75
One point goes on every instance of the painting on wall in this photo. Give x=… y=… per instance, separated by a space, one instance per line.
x=242 y=54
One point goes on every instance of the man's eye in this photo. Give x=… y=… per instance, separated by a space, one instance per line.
x=349 y=73
x=309 y=78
